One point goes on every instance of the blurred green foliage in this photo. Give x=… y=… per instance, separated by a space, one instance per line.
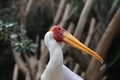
x=18 y=39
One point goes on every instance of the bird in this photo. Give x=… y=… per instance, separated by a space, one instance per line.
x=55 y=69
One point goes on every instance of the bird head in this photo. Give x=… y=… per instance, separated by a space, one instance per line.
x=58 y=33
x=61 y=35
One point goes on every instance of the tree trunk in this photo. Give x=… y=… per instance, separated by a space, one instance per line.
x=93 y=72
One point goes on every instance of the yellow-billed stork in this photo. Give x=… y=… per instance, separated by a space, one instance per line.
x=56 y=70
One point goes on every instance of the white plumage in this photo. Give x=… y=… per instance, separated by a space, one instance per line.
x=55 y=69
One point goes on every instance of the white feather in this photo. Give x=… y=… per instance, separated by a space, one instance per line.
x=55 y=69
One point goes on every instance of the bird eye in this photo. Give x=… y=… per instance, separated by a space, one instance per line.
x=59 y=28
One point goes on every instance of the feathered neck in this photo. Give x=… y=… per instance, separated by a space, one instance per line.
x=56 y=55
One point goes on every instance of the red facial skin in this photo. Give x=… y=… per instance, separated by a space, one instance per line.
x=58 y=33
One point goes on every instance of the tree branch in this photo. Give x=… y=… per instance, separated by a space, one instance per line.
x=83 y=19
x=59 y=12
x=20 y=63
x=15 y=72
x=103 y=46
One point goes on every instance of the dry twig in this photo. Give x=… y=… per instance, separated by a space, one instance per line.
x=90 y=32
x=83 y=19
x=20 y=63
x=15 y=72
x=59 y=12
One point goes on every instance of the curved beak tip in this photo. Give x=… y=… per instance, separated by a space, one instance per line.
x=71 y=40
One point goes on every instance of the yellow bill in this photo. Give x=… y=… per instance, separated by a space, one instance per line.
x=71 y=40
